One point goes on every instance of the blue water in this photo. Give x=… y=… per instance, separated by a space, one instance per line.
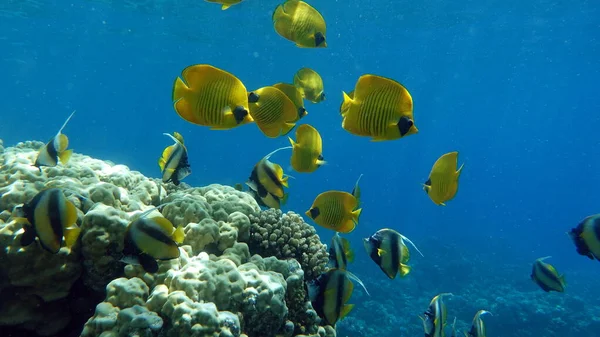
x=512 y=85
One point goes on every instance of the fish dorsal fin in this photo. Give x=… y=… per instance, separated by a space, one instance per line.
x=412 y=244
x=355 y=278
x=544 y=258
x=275 y=151
x=65 y=123
x=356 y=189
x=177 y=138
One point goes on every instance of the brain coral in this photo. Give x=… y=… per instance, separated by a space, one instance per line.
x=288 y=236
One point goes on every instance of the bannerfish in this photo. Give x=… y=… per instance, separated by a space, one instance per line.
x=546 y=276
x=434 y=318
x=273 y=111
x=586 y=237
x=340 y=253
x=442 y=184
x=173 y=163
x=310 y=84
x=55 y=150
x=295 y=95
x=269 y=175
x=387 y=249
x=211 y=97
x=330 y=293
x=335 y=210
x=300 y=23
x=307 y=150
x=477 y=327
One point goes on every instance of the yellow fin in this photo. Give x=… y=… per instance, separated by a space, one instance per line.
x=356 y=215
x=65 y=156
x=348 y=250
x=292 y=142
x=161 y=163
x=380 y=252
x=179 y=89
x=71 y=213
x=164 y=223
x=178 y=136
x=224 y=7
x=404 y=269
x=63 y=143
x=179 y=235
x=71 y=235
x=346 y=310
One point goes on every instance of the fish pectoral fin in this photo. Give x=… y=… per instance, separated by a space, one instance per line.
x=224 y=7
x=380 y=252
x=346 y=310
x=404 y=270
x=65 y=156
x=71 y=236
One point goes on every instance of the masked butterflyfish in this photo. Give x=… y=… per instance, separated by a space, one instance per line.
x=586 y=237
x=299 y=22
x=442 y=183
x=295 y=95
x=434 y=318
x=310 y=84
x=546 y=276
x=148 y=239
x=378 y=107
x=55 y=150
x=387 y=249
x=225 y=3
x=273 y=111
x=356 y=190
x=307 y=150
x=211 y=97
x=477 y=327
x=173 y=163
x=335 y=210
x=50 y=217
x=269 y=175
x=330 y=293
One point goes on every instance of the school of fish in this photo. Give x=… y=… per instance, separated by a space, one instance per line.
x=378 y=107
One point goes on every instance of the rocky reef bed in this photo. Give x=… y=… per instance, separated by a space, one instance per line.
x=241 y=271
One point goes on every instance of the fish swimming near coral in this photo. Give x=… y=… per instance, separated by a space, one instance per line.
x=269 y=175
x=307 y=150
x=225 y=3
x=300 y=23
x=273 y=111
x=173 y=163
x=478 y=326
x=434 y=318
x=55 y=150
x=586 y=237
x=148 y=239
x=442 y=184
x=263 y=197
x=211 y=97
x=387 y=249
x=380 y=108
x=310 y=84
x=295 y=95
x=546 y=276
x=330 y=293
x=340 y=253
x=50 y=217
x=335 y=210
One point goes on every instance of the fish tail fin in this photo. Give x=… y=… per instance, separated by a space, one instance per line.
x=71 y=236
x=65 y=156
x=65 y=123
x=355 y=278
x=412 y=244
x=179 y=235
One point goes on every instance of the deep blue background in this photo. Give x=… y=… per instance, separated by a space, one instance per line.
x=513 y=86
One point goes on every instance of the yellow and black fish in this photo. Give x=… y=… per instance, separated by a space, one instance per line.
x=50 y=217
x=378 y=107
x=269 y=175
x=299 y=22
x=356 y=191
x=295 y=95
x=211 y=97
x=340 y=253
x=546 y=276
x=477 y=327
x=434 y=318
x=307 y=150
x=264 y=198
x=225 y=3
x=387 y=249
x=273 y=111
x=442 y=183
x=330 y=293
x=586 y=237
x=148 y=239
x=55 y=150
x=335 y=210
x=310 y=84
x=173 y=163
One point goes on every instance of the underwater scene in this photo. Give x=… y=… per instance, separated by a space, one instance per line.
x=310 y=168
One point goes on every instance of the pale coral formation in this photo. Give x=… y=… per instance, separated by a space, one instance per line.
x=286 y=236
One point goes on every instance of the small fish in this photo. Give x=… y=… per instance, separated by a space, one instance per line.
x=434 y=318
x=225 y=3
x=442 y=183
x=330 y=293
x=356 y=190
x=238 y=186
x=586 y=237
x=379 y=108
x=50 y=217
x=300 y=23
x=335 y=210
x=173 y=163
x=55 y=150
x=477 y=327
x=387 y=249
x=295 y=95
x=310 y=85
x=273 y=111
x=269 y=175
x=546 y=276
x=340 y=253
x=211 y=97
x=148 y=239
x=307 y=151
